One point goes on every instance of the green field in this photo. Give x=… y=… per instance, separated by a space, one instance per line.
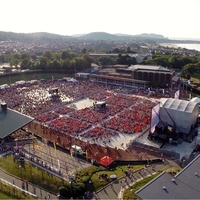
x=12 y=78
x=4 y=196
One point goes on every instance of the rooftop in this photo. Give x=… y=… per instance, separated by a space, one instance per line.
x=148 y=67
x=185 y=185
x=11 y=121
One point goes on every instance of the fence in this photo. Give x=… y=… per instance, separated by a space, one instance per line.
x=18 y=188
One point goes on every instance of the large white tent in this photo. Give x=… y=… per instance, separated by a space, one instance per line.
x=180 y=114
x=195 y=99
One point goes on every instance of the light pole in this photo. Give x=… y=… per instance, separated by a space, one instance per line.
x=71 y=180
x=74 y=68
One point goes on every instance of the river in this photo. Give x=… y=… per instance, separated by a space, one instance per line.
x=188 y=46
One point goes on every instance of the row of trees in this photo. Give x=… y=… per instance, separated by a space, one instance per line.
x=69 y=61
x=64 y=60
x=173 y=61
x=188 y=65
x=47 y=60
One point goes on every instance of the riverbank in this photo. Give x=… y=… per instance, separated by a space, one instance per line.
x=181 y=45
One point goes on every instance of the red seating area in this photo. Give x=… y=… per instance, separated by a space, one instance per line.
x=111 y=110
x=64 y=110
x=100 y=96
x=45 y=117
x=121 y=100
x=69 y=125
x=99 y=132
x=132 y=120
x=88 y=115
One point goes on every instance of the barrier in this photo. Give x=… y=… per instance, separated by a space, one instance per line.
x=22 y=190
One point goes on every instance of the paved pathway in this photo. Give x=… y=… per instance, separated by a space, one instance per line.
x=115 y=189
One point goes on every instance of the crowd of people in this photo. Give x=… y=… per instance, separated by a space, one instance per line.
x=124 y=112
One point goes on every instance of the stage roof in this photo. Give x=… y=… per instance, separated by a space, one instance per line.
x=11 y=121
x=177 y=104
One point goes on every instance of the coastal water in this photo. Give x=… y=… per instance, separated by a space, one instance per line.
x=189 y=46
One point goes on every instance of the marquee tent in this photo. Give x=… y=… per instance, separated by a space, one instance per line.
x=180 y=114
x=106 y=161
x=195 y=99
x=73 y=80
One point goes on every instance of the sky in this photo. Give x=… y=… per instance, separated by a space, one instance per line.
x=170 y=18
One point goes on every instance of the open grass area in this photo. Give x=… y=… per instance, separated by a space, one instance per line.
x=5 y=196
x=8 y=192
x=31 y=173
x=119 y=171
x=12 y=78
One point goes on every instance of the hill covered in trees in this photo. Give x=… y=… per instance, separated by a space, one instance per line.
x=11 y=36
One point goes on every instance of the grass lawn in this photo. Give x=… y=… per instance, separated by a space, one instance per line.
x=6 y=79
x=98 y=183
x=5 y=196
x=31 y=173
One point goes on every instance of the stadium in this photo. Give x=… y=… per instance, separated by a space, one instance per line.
x=102 y=121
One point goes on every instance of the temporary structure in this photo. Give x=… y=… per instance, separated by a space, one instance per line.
x=195 y=99
x=180 y=114
x=106 y=161
x=73 y=80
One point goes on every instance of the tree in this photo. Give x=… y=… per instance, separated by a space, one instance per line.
x=14 y=62
x=128 y=50
x=104 y=60
x=84 y=50
x=56 y=64
x=44 y=63
x=25 y=55
x=25 y=64
x=48 y=54
x=65 y=55
x=65 y=64
x=57 y=55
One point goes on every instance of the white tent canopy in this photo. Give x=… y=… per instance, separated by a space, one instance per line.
x=73 y=80
x=180 y=114
x=195 y=99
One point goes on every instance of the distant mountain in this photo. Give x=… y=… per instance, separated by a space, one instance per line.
x=77 y=35
x=11 y=36
x=99 y=36
x=50 y=37
x=150 y=35
x=119 y=36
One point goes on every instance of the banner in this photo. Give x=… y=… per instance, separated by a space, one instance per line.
x=177 y=94
x=86 y=154
x=155 y=117
x=71 y=152
x=58 y=163
x=54 y=144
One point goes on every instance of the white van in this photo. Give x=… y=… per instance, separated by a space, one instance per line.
x=77 y=149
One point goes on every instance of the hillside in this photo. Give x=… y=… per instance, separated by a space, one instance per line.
x=44 y=36
x=150 y=35
x=99 y=36
x=39 y=36
x=118 y=36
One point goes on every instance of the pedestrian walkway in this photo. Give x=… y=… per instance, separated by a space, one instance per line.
x=34 y=190
x=116 y=188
